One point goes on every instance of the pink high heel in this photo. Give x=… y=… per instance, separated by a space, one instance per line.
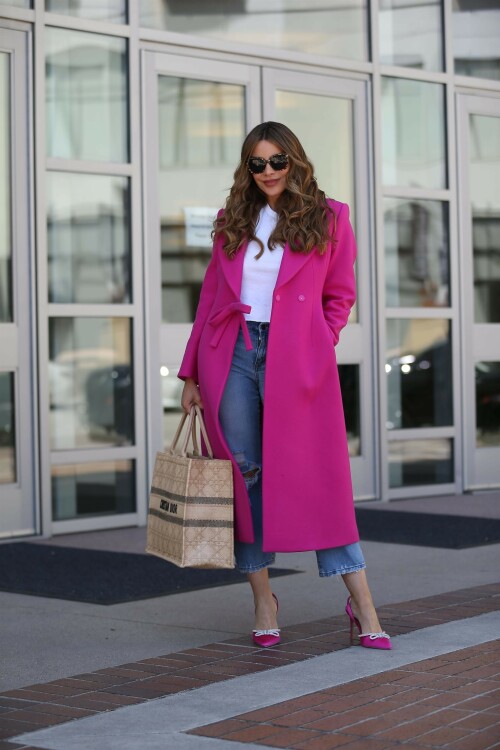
x=267 y=638
x=367 y=640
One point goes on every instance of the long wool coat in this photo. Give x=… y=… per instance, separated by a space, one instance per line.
x=306 y=479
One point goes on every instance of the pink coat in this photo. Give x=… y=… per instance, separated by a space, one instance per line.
x=306 y=478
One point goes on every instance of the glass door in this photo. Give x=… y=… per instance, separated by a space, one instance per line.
x=17 y=431
x=330 y=117
x=196 y=115
x=479 y=215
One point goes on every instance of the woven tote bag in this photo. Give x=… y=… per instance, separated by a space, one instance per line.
x=190 y=520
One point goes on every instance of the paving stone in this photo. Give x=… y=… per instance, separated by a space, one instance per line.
x=324 y=742
x=220 y=728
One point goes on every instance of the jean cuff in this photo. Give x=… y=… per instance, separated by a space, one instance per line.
x=255 y=568
x=341 y=571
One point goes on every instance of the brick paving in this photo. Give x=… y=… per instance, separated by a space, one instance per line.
x=450 y=701
x=66 y=699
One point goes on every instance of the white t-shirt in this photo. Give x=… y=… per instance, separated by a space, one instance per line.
x=259 y=276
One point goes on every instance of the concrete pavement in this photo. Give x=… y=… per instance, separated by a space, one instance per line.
x=46 y=640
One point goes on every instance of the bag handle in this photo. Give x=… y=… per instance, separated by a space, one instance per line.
x=194 y=413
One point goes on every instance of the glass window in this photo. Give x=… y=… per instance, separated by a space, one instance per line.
x=7 y=429
x=88 y=238
x=105 y=10
x=487 y=404
x=201 y=129
x=416 y=253
x=418 y=370
x=313 y=117
x=90 y=381
x=86 y=96
x=411 y=34
x=484 y=171
x=417 y=462
x=94 y=489
x=17 y=3
x=413 y=133
x=476 y=31
x=5 y=193
x=349 y=384
x=326 y=27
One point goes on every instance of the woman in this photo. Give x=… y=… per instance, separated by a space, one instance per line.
x=276 y=294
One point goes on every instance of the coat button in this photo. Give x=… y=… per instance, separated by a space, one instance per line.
x=278 y=297
x=301 y=298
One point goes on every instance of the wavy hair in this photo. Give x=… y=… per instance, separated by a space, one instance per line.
x=303 y=213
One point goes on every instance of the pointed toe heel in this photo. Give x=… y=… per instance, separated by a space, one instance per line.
x=380 y=641
x=376 y=640
x=267 y=638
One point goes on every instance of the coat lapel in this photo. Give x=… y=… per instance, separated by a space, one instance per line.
x=290 y=265
x=233 y=269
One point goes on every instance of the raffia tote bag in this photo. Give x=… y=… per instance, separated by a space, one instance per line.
x=191 y=521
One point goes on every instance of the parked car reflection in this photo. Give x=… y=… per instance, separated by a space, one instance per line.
x=488 y=403
x=110 y=402
x=420 y=388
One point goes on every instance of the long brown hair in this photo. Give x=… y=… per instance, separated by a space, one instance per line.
x=303 y=213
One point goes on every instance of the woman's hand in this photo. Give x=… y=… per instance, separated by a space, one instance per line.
x=190 y=395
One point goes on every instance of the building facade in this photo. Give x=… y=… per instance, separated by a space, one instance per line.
x=120 y=129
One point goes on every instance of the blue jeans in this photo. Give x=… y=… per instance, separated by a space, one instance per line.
x=240 y=416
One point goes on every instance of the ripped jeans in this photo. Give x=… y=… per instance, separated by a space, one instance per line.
x=240 y=416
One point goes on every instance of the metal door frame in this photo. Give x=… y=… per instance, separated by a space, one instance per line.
x=357 y=343
x=481 y=468
x=20 y=509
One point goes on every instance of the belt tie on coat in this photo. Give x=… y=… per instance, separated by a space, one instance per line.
x=222 y=318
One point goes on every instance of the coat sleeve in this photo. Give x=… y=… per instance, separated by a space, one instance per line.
x=339 y=291
x=189 y=365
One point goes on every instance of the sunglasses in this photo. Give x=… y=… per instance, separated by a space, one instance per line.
x=256 y=164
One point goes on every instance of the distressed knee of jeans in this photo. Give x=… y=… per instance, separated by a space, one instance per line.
x=249 y=470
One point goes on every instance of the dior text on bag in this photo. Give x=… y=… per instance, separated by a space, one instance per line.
x=190 y=521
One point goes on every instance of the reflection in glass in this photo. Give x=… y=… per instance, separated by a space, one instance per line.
x=95 y=489
x=201 y=128
x=313 y=117
x=487 y=404
x=476 y=31
x=88 y=237
x=418 y=462
x=411 y=34
x=7 y=429
x=326 y=27
x=416 y=253
x=5 y=194
x=484 y=181
x=104 y=10
x=90 y=381
x=86 y=96
x=413 y=133
x=418 y=369
x=349 y=384
x=17 y=3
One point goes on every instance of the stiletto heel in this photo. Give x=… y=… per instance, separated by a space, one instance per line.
x=267 y=638
x=367 y=640
x=351 y=623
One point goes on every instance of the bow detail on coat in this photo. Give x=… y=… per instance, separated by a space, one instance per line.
x=222 y=318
